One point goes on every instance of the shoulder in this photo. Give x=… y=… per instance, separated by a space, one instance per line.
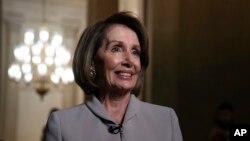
x=160 y=118
x=159 y=112
x=72 y=112
x=61 y=122
x=156 y=108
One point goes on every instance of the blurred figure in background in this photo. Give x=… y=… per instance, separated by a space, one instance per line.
x=222 y=122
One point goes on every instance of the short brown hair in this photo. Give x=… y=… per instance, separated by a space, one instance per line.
x=92 y=39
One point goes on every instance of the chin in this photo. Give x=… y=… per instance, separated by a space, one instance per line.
x=125 y=88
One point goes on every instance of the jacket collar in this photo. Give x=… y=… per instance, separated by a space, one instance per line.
x=98 y=109
x=132 y=109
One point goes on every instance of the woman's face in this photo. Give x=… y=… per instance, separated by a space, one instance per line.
x=118 y=60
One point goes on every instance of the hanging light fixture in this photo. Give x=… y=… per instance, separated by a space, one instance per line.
x=41 y=59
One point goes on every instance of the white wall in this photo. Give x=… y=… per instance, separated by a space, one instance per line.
x=25 y=114
x=33 y=112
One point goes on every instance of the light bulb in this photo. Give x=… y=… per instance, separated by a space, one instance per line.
x=66 y=58
x=63 y=55
x=15 y=72
x=26 y=68
x=54 y=78
x=42 y=69
x=36 y=59
x=18 y=75
x=12 y=70
x=49 y=61
x=58 y=61
x=59 y=71
x=25 y=49
x=29 y=37
x=69 y=74
x=28 y=77
x=26 y=58
x=18 y=54
x=56 y=40
x=36 y=48
x=44 y=35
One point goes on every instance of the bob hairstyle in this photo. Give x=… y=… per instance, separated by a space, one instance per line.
x=92 y=39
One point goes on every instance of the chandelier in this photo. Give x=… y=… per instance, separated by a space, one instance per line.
x=42 y=61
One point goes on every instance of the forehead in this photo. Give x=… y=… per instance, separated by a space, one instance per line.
x=119 y=30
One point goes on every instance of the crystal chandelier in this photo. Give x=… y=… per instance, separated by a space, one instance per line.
x=41 y=60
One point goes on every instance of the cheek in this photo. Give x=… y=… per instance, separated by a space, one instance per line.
x=110 y=63
x=138 y=65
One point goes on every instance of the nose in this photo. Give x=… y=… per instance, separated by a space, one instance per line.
x=127 y=61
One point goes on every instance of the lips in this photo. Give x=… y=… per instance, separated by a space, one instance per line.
x=124 y=74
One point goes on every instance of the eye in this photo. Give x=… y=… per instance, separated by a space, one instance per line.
x=116 y=48
x=136 y=52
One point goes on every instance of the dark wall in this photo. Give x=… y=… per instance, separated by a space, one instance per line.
x=165 y=44
x=201 y=57
x=1 y=95
x=100 y=9
x=213 y=62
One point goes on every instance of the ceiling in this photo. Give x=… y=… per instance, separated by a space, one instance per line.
x=65 y=16
x=60 y=12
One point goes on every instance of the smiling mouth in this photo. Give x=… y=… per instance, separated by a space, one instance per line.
x=124 y=75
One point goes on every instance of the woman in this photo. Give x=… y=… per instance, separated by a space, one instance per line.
x=109 y=64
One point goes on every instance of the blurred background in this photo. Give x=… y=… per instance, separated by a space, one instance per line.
x=199 y=59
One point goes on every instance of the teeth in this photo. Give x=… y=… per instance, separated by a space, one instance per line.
x=125 y=74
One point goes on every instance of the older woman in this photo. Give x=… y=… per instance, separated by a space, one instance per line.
x=109 y=64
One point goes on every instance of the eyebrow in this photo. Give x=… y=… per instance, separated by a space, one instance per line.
x=112 y=41
x=120 y=42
